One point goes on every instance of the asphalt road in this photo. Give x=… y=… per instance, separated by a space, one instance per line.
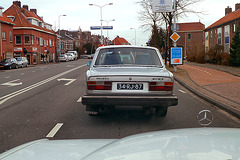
x=44 y=102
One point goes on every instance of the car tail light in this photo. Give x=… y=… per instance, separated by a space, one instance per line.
x=99 y=85
x=160 y=86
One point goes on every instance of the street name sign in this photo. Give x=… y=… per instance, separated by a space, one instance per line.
x=99 y=27
x=162 y=5
x=95 y=27
x=107 y=27
x=176 y=56
x=175 y=36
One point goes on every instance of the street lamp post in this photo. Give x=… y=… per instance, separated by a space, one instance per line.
x=101 y=14
x=107 y=25
x=135 y=36
x=59 y=49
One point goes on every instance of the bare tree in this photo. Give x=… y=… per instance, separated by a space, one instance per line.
x=148 y=18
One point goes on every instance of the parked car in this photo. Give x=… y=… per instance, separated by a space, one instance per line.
x=186 y=144
x=129 y=75
x=75 y=54
x=71 y=56
x=22 y=62
x=85 y=56
x=63 y=58
x=9 y=63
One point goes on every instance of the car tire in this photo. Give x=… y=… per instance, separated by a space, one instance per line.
x=16 y=67
x=10 y=67
x=161 y=111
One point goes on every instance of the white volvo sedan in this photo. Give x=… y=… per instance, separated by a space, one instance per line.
x=128 y=76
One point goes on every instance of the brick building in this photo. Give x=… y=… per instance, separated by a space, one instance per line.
x=32 y=37
x=6 y=36
x=191 y=38
x=120 y=41
x=221 y=32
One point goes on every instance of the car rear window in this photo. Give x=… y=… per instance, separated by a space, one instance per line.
x=128 y=56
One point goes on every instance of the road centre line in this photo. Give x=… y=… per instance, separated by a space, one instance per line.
x=11 y=95
x=54 y=130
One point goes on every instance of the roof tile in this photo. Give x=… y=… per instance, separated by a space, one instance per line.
x=229 y=17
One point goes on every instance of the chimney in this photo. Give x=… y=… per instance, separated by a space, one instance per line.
x=1 y=8
x=228 y=10
x=25 y=6
x=18 y=3
x=237 y=6
x=34 y=11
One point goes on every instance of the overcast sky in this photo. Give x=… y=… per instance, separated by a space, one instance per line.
x=125 y=13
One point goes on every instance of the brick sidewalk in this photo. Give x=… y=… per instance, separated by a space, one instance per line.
x=219 y=88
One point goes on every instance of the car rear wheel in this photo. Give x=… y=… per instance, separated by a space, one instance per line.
x=161 y=111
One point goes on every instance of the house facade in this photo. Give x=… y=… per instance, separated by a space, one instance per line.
x=191 y=38
x=6 y=36
x=66 y=41
x=222 y=31
x=32 y=37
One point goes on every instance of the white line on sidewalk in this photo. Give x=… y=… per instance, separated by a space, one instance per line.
x=54 y=130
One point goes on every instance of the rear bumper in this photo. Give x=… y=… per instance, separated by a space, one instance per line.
x=169 y=100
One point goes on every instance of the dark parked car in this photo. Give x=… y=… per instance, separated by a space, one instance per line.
x=9 y=63
x=22 y=62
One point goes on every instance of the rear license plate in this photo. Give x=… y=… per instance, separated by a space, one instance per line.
x=130 y=86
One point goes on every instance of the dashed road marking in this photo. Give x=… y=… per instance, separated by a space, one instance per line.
x=182 y=91
x=53 y=132
x=79 y=100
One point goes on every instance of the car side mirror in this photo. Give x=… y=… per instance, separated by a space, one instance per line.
x=89 y=63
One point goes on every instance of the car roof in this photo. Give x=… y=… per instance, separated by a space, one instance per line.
x=126 y=46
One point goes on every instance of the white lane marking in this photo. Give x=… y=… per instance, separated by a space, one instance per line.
x=7 y=77
x=182 y=91
x=64 y=79
x=10 y=83
x=79 y=100
x=11 y=95
x=33 y=71
x=22 y=74
x=54 y=130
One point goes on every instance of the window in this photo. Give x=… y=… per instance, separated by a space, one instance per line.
x=41 y=41
x=219 y=36
x=4 y=36
x=206 y=36
x=226 y=38
x=18 y=40
x=189 y=36
x=10 y=36
x=27 y=39
x=234 y=28
x=53 y=43
x=32 y=39
x=50 y=43
x=206 y=42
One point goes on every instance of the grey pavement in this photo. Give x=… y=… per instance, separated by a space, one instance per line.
x=217 y=84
